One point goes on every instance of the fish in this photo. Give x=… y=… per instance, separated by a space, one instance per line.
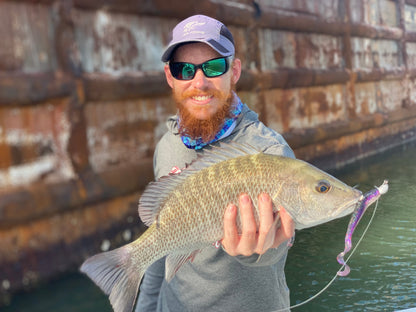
x=184 y=211
x=368 y=198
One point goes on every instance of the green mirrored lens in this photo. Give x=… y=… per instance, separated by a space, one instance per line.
x=211 y=68
x=215 y=67
x=188 y=71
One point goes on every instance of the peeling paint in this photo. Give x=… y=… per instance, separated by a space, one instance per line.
x=37 y=139
x=410 y=17
x=369 y=54
x=365 y=99
x=392 y=95
x=27 y=173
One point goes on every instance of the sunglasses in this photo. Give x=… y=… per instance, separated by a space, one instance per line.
x=212 y=68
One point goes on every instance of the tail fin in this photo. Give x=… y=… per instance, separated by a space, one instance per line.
x=114 y=273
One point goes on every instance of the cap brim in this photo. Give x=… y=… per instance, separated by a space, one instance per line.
x=167 y=55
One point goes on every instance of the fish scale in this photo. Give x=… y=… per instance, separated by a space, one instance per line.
x=185 y=211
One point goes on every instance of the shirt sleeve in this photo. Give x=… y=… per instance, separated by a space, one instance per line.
x=153 y=278
x=281 y=150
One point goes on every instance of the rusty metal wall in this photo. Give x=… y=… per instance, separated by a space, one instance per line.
x=83 y=102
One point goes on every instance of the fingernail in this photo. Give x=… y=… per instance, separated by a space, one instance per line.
x=245 y=199
x=264 y=197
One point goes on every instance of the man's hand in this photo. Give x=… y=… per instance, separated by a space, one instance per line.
x=250 y=240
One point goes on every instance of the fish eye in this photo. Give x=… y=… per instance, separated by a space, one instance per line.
x=323 y=187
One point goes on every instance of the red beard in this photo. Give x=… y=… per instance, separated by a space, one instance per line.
x=198 y=128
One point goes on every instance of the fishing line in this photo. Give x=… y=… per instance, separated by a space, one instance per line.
x=336 y=274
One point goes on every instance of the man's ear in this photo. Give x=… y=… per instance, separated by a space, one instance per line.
x=168 y=76
x=236 y=70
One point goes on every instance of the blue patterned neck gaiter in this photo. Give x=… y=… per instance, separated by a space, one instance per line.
x=229 y=124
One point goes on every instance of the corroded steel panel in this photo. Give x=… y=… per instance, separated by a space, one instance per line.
x=411 y=54
x=27 y=37
x=391 y=95
x=117 y=43
x=375 y=12
x=278 y=49
x=34 y=141
x=368 y=54
x=246 y=43
x=304 y=108
x=410 y=17
x=365 y=99
x=318 y=51
x=323 y=9
x=124 y=132
x=292 y=50
x=412 y=93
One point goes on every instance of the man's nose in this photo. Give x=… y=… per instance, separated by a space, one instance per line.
x=200 y=81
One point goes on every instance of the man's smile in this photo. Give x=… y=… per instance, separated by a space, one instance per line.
x=202 y=98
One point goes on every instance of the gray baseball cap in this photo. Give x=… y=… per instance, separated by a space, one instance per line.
x=201 y=28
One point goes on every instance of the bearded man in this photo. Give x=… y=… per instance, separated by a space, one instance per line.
x=202 y=70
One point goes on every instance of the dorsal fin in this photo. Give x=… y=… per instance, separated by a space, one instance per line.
x=156 y=193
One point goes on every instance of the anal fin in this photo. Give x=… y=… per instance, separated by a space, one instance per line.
x=175 y=261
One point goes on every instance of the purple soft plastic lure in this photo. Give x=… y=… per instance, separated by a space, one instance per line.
x=368 y=198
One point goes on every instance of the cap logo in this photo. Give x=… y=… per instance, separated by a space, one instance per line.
x=189 y=28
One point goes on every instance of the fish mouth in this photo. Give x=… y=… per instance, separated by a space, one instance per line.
x=348 y=207
x=341 y=211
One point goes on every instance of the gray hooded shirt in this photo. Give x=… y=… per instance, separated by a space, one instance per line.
x=215 y=281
